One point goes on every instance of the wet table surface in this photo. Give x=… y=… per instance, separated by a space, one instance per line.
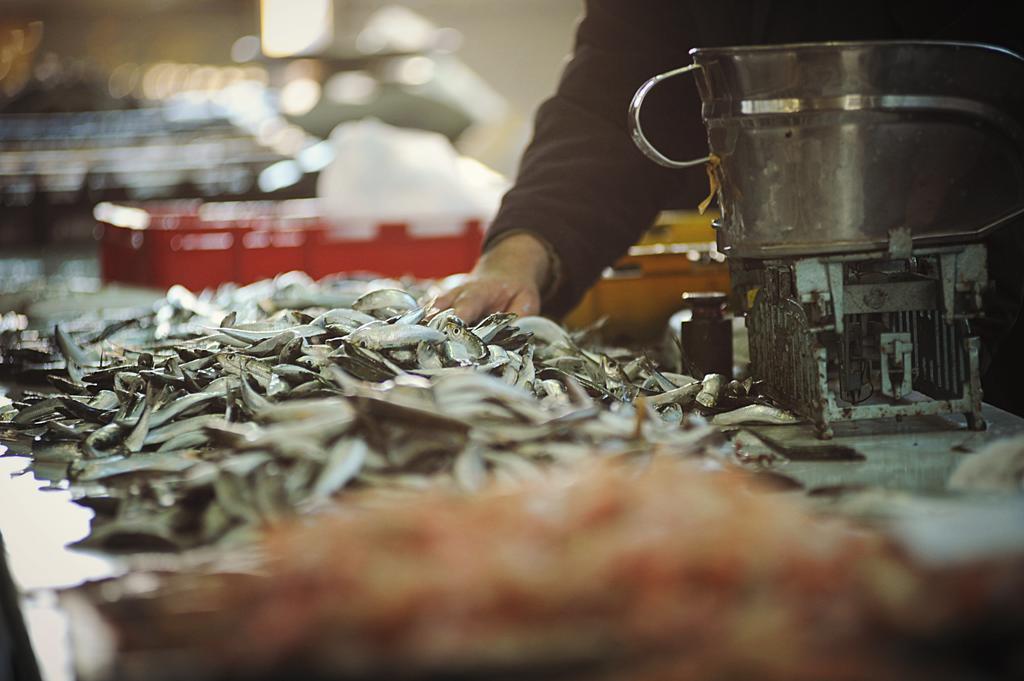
x=894 y=474
x=915 y=454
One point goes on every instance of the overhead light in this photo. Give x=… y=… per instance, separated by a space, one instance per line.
x=290 y=141
x=417 y=70
x=268 y=129
x=200 y=78
x=121 y=216
x=229 y=75
x=316 y=157
x=396 y=29
x=123 y=80
x=245 y=49
x=256 y=74
x=279 y=175
x=160 y=80
x=294 y=27
x=300 y=96
x=353 y=88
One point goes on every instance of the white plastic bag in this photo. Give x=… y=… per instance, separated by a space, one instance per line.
x=383 y=174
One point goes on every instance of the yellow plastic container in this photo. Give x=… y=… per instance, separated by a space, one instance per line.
x=681 y=227
x=644 y=288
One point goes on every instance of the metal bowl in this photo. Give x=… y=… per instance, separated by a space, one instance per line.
x=850 y=147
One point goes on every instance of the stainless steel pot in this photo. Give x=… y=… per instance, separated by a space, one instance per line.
x=845 y=147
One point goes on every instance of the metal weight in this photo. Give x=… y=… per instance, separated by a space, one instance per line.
x=706 y=335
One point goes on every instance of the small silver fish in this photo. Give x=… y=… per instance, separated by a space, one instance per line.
x=304 y=331
x=183 y=441
x=56 y=452
x=136 y=438
x=181 y=406
x=462 y=345
x=385 y=303
x=469 y=470
x=490 y=325
x=344 y=461
x=193 y=423
x=101 y=442
x=544 y=330
x=711 y=389
x=438 y=321
x=392 y=336
x=682 y=396
x=343 y=317
x=755 y=413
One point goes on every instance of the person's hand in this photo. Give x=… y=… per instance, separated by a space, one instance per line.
x=507 y=278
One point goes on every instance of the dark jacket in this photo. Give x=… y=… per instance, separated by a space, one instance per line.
x=586 y=189
x=589 y=193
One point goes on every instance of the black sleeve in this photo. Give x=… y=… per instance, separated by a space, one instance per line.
x=585 y=189
x=582 y=185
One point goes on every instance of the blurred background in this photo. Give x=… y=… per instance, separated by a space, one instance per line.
x=145 y=143
x=132 y=100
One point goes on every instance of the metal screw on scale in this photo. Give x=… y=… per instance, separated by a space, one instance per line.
x=705 y=335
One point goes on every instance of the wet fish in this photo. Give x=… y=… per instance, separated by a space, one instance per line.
x=191 y=424
x=392 y=336
x=469 y=470
x=544 y=330
x=137 y=437
x=38 y=411
x=75 y=431
x=187 y=440
x=384 y=303
x=411 y=317
x=344 y=317
x=157 y=463
x=711 y=390
x=462 y=346
x=755 y=413
x=438 y=321
x=252 y=400
x=242 y=365
x=344 y=461
x=103 y=441
x=247 y=337
x=298 y=410
x=56 y=452
x=274 y=408
x=491 y=325
x=272 y=345
x=682 y=395
x=180 y=407
x=74 y=354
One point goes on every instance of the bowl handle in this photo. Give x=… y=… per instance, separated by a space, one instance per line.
x=637 y=133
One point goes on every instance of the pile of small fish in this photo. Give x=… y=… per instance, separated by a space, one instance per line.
x=214 y=415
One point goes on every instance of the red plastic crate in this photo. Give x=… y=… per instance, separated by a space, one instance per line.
x=269 y=251
x=201 y=245
x=394 y=252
